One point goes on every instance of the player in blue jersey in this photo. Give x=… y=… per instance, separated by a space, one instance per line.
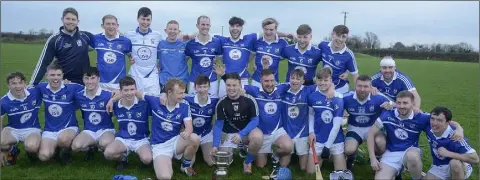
x=237 y=116
x=390 y=81
x=402 y=127
x=61 y=124
x=203 y=51
x=451 y=159
x=20 y=106
x=237 y=50
x=112 y=49
x=303 y=55
x=325 y=118
x=202 y=107
x=269 y=46
x=363 y=109
x=98 y=130
x=269 y=101
x=340 y=58
x=133 y=129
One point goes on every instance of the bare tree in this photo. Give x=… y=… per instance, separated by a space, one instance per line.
x=398 y=45
x=371 y=40
x=327 y=38
x=355 y=42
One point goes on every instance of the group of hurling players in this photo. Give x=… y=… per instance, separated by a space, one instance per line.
x=261 y=119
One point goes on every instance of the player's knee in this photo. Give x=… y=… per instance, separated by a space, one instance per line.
x=32 y=146
x=194 y=139
x=76 y=146
x=456 y=165
x=44 y=155
x=380 y=141
x=146 y=159
x=350 y=150
x=256 y=136
x=164 y=176
x=108 y=153
x=260 y=164
x=65 y=142
x=103 y=143
x=287 y=146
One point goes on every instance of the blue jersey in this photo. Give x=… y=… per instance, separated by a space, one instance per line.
x=460 y=147
x=133 y=120
x=203 y=57
x=363 y=113
x=269 y=106
x=236 y=54
x=171 y=56
x=22 y=113
x=306 y=61
x=202 y=115
x=295 y=111
x=166 y=123
x=94 y=113
x=325 y=111
x=111 y=57
x=400 y=82
x=59 y=106
x=402 y=134
x=340 y=62
x=272 y=49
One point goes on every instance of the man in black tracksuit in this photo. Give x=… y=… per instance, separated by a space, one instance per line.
x=69 y=46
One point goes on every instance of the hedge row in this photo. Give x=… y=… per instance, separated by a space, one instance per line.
x=419 y=55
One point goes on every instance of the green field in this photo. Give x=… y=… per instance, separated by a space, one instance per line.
x=451 y=84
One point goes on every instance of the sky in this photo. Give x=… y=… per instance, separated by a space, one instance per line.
x=405 y=21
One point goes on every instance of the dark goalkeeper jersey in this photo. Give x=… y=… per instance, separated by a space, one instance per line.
x=236 y=113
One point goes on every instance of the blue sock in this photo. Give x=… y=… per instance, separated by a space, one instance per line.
x=249 y=159
x=186 y=163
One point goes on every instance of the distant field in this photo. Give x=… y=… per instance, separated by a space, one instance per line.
x=455 y=85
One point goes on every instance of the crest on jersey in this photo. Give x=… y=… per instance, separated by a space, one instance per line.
x=119 y=46
x=270 y=108
x=310 y=60
x=351 y=109
x=327 y=116
x=144 y=53
x=55 y=110
x=277 y=50
x=212 y=49
x=293 y=112
x=205 y=62
x=330 y=57
x=235 y=54
x=361 y=109
x=372 y=108
x=210 y=111
x=152 y=40
x=167 y=126
x=395 y=91
x=362 y=119
x=92 y=106
x=79 y=42
x=198 y=122
x=109 y=45
x=64 y=97
x=95 y=118
x=131 y=128
x=101 y=104
x=34 y=102
x=139 y=114
x=235 y=107
x=337 y=62
x=178 y=116
x=242 y=45
x=401 y=134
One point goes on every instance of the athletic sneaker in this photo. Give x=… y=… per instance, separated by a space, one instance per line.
x=13 y=156
x=65 y=156
x=247 y=168
x=189 y=171
x=350 y=162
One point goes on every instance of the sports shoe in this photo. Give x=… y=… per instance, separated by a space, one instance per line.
x=13 y=156
x=189 y=171
x=90 y=153
x=123 y=163
x=247 y=168
x=350 y=161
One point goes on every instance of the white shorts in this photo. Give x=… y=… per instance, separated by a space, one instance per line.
x=337 y=148
x=395 y=159
x=22 y=134
x=268 y=140
x=361 y=131
x=301 y=146
x=443 y=172
x=222 y=90
x=133 y=145
x=96 y=135
x=150 y=85
x=168 y=148
x=256 y=84
x=344 y=89
x=208 y=138
x=212 y=91
x=110 y=86
x=54 y=134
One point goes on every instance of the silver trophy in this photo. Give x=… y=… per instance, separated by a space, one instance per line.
x=222 y=159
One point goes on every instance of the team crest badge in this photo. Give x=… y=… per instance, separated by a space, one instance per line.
x=92 y=106
x=235 y=107
x=210 y=111
x=277 y=50
x=372 y=108
x=178 y=116
x=212 y=49
x=119 y=46
x=337 y=63
x=79 y=42
x=152 y=40
x=64 y=97
x=34 y=102
x=102 y=104
x=139 y=114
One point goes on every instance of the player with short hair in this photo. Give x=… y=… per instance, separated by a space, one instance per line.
x=98 y=130
x=112 y=49
x=390 y=81
x=363 y=109
x=303 y=55
x=69 y=46
x=61 y=124
x=20 y=105
x=237 y=116
x=340 y=58
x=237 y=50
x=133 y=128
x=402 y=127
x=144 y=53
x=269 y=101
x=270 y=46
x=451 y=159
x=325 y=118
x=203 y=51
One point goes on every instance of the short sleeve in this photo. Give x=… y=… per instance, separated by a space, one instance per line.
x=2 y=110
x=187 y=115
x=128 y=45
x=249 y=89
x=188 y=48
x=462 y=147
x=352 y=63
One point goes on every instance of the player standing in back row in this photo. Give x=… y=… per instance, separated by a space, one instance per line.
x=144 y=53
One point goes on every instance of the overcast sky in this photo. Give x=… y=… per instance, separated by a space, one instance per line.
x=407 y=21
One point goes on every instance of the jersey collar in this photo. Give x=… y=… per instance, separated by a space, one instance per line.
x=138 y=31
x=11 y=97
x=62 y=28
x=339 y=52
x=445 y=134
x=99 y=91
x=209 y=40
x=61 y=87
x=398 y=114
x=171 y=110
x=361 y=102
x=290 y=90
x=309 y=47
x=116 y=36
x=135 y=101
x=196 y=101
x=239 y=38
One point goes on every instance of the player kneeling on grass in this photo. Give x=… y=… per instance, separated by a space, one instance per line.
x=237 y=116
x=133 y=129
x=98 y=126
x=61 y=124
x=324 y=120
x=451 y=159
x=21 y=107
x=363 y=109
x=403 y=127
